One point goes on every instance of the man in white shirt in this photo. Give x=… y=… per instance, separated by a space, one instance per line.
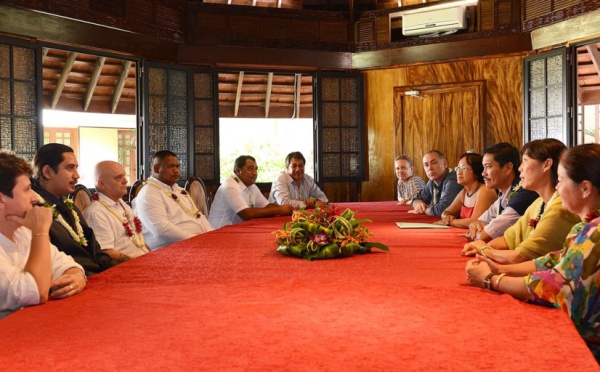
x=116 y=227
x=296 y=188
x=167 y=212
x=32 y=268
x=239 y=199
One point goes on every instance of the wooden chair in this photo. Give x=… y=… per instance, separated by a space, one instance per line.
x=197 y=190
x=81 y=196
x=135 y=189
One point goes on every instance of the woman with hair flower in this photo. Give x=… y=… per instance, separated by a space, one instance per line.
x=566 y=279
x=545 y=224
x=473 y=200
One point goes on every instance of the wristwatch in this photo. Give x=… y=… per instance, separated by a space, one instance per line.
x=487 y=282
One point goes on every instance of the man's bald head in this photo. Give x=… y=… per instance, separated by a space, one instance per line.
x=111 y=179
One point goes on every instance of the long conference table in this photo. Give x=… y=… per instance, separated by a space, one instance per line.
x=226 y=300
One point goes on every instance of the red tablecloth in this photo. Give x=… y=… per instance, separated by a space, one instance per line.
x=228 y=300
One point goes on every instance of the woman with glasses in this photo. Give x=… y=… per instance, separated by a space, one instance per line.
x=474 y=199
x=568 y=278
x=545 y=224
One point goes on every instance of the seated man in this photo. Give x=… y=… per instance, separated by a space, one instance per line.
x=442 y=188
x=167 y=211
x=239 y=199
x=116 y=227
x=501 y=164
x=295 y=188
x=56 y=176
x=31 y=267
x=409 y=184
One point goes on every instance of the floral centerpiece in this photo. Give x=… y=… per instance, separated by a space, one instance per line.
x=324 y=234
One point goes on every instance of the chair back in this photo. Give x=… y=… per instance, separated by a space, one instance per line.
x=81 y=196
x=197 y=190
x=135 y=189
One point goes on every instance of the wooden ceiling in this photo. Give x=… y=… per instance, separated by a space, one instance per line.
x=88 y=83
x=588 y=75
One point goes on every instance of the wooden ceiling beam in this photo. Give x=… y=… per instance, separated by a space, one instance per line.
x=268 y=96
x=592 y=50
x=119 y=87
x=297 y=96
x=239 y=93
x=63 y=78
x=89 y=93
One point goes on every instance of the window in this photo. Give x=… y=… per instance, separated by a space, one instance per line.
x=268 y=141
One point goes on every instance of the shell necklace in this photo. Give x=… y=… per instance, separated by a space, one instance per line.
x=194 y=212
x=78 y=236
x=136 y=236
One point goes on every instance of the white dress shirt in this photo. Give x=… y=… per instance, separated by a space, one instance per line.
x=109 y=230
x=232 y=197
x=164 y=221
x=18 y=287
x=285 y=191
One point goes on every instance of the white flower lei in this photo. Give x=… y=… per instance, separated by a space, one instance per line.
x=194 y=213
x=136 y=237
x=78 y=236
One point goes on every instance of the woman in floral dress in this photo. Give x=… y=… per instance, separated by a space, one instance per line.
x=567 y=279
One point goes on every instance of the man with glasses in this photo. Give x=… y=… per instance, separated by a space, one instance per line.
x=294 y=187
x=442 y=188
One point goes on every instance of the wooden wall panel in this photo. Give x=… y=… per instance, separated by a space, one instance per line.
x=503 y=114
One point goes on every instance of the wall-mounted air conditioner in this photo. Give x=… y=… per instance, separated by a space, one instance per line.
x=424 y=21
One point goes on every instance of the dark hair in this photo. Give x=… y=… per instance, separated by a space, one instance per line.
x=583 y=163
x=50 y=154
x=440 y=154
x=476 y=162
x=161 y=155
x=241 y=161
x=504 y=153
x=405 y=157
x=293 y=155
x=543 y=149
x=11 y=167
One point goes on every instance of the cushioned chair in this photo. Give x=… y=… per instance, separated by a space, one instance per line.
x=197 y=190
x=82 y=197
x=135 y=189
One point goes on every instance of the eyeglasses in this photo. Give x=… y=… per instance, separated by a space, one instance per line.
x=461 y=168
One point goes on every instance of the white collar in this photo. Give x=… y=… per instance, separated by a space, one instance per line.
x=109 y=201
x=164 y=185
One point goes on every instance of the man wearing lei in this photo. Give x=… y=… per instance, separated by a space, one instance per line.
x=167 y=212
x=239 y=199
x=501 y=164
x=55 y=178
x=117 y=229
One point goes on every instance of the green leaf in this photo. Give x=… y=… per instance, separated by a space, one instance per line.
x=383 y=247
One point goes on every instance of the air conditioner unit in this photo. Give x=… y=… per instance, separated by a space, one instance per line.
x=425 y=21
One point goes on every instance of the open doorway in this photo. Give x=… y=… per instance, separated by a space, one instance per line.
x=588 y=93
x=89 y=104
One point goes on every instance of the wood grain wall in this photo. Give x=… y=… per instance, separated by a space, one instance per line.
x=503 y=110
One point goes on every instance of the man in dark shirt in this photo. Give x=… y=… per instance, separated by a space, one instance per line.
x=442 y=188
x=55 y=178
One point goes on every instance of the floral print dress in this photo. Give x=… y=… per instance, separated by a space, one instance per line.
x=569 y=280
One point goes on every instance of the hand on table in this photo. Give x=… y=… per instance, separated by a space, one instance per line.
x=67 y=285
x=419 y=207
x=476 y=272
x=446 y=220
x=471 y=249
x=475 y=229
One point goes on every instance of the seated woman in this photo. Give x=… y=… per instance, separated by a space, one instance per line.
x=566 y=279
x=31 y=267
x=544 y=225
x=473 y=200
x=409 y=185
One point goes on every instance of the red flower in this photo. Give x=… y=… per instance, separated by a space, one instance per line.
x=533 y=222
x=174 y=196
x=138 y=224
x=95 y=196
x=183 y=192
x=128 y=228
x=592 y=216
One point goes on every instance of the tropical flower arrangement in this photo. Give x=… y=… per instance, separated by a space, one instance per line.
x=324 y=233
